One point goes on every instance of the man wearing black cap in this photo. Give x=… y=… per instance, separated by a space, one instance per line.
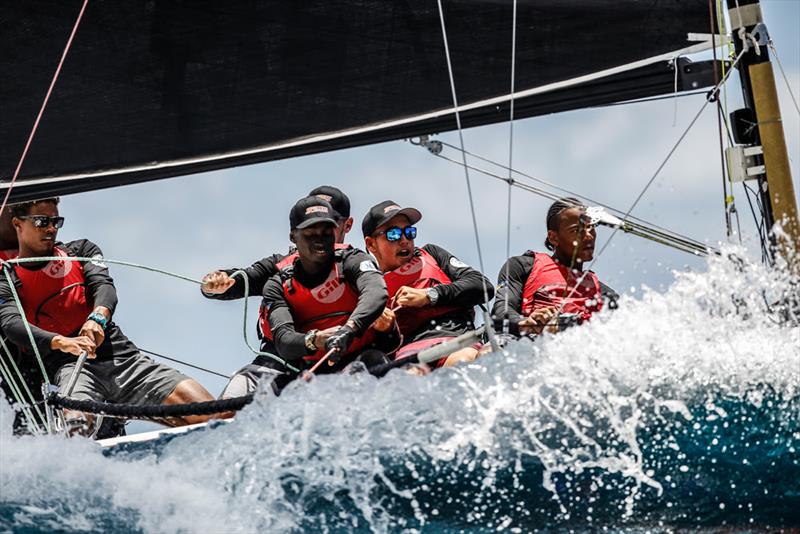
x=219 y=285
x=325 y=299
x=538 y=292
x=432 y=292
x=341 y=204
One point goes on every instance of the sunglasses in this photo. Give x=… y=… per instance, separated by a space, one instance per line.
x=43 y=221
x=395 y=233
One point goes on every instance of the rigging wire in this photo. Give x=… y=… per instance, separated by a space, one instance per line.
x=209 y=371
x=783 y=74
x=711 y=95
x=727 y=200
x=510 y=158
x=667 y=238
x=549 y=184
x=551 y=196
x=466 y=171
x=44 y=105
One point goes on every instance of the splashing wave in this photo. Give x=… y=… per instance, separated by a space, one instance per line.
x=679 y=409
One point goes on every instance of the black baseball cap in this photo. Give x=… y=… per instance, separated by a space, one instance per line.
x=312 y=210
x=380 y=214
x=337 y=199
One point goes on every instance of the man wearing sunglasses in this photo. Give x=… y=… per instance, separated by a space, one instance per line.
x=538 y=292
x=219 y=285
x=322 y=301
x=432 y=293
x=69 y=306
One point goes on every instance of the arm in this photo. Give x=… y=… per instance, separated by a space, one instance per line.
x=289 y=343
x=466 y=287
x=519 y=268
x=361 y=272
x=257 y=276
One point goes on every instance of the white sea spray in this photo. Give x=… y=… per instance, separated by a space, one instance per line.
x=591 y=405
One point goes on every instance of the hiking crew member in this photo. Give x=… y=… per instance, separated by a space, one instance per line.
x=541 y=288
x=432 y=292
x=219 y=285
x=325 y=296
x=69 y=306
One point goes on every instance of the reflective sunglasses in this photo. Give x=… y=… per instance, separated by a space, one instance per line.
x=395 y=233
x=43 y=221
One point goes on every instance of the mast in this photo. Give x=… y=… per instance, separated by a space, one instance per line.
x=759 y=126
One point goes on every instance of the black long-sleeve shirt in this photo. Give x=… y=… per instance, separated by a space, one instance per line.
x=359 y=272
x=465 y=291
x=100 y=291
x=511 y=288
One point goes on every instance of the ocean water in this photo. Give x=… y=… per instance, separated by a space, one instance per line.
x=679 y=411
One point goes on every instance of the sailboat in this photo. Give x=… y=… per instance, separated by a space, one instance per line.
x=190 y=88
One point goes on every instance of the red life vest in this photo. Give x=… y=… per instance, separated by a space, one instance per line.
x=54 y=297
x=550 y=282
x=325 y=306
x=422 y=272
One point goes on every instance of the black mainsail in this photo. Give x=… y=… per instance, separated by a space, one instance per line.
x=153 y=88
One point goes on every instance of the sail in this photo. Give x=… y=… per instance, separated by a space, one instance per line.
x=153 y=88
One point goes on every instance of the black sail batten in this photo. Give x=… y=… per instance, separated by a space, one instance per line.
x=154 y=88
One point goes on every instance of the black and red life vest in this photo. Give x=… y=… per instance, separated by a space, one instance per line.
x=54 y=297
x=552 y=284
x=422 y=272
x=328 y=305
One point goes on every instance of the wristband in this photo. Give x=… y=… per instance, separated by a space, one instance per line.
x=310 y=339
x=99 y=318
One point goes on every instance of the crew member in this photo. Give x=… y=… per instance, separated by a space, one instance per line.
x=325 y=300
x=537 y=291
x=432 y=292
x=220 y=285
x=69 y=306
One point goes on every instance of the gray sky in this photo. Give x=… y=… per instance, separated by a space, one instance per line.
x=229 y=218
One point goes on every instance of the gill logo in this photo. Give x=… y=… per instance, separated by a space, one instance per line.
x=412 y=267
x=58 y=269
x=331 y=290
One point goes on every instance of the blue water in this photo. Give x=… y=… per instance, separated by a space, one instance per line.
x=680 y=411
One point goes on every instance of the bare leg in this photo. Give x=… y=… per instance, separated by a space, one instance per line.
x=466 y=354
x=191 y=391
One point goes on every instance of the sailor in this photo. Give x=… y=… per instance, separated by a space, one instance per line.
x=220 y=285
x=69 y=306
x=552 y=291
x=325 y=298
x=432 y=292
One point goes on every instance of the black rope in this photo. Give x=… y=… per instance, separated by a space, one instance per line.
x=151 y=411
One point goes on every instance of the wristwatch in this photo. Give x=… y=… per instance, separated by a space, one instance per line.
x=433 y=295
x=311 y=338
x=99 y=318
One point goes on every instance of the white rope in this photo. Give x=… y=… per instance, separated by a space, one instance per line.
x=510 y=158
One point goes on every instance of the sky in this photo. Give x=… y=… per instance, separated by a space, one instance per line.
x=195 y=224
